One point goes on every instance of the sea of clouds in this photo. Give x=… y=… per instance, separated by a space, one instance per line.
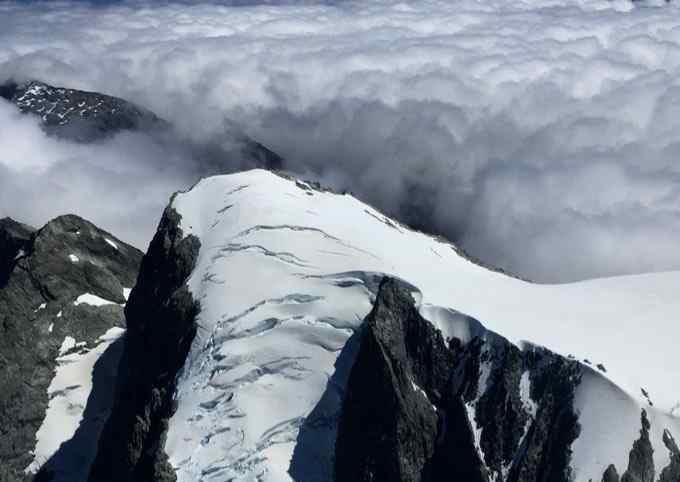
x=543 y=136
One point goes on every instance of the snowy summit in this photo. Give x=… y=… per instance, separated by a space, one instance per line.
x=284 y=274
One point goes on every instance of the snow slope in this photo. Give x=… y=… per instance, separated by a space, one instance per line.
x=287 y=272
x=69 y=395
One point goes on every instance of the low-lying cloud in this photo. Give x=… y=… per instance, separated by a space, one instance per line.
x=542 y=136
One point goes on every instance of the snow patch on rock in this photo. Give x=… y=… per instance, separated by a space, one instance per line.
x=68 y=394
x=93 y=300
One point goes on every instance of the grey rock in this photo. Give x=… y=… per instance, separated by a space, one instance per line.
x=640 y=459
x=404 y=416
x=500 y=412
x=545 y=453
x=161 y=326
x=14 y=241
x=76 y=114
x=389 y=425
x=671 y=473
x=38 y=285
x=86 y=117
x=610 y=475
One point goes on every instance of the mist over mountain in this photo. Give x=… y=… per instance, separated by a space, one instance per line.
x=97 y=154
x=339 y=241
x=517 y=129
x=283 y=332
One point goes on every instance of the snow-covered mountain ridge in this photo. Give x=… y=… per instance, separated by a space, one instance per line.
x=285 y=274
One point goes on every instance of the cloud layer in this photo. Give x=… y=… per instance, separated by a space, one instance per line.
x=541 y=135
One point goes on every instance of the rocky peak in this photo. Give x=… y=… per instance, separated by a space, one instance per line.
x=14 y=231
x=76 y=114
x=399 y=407
x=671 y=473
x=63 y=290
x=70 y=254
x=84 y=116
x=161 y=322
x=418 y=407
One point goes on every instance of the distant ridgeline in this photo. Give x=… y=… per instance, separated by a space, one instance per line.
x=90 y=116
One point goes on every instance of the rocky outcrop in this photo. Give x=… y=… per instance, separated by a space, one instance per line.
x=76 y=114
x=160 y=317
x=640 y=460
x=14 y=241
x=83 y=116
x=390 y=425
x=610 y=475
x=671 y=473
x=44 y=272
x=421 y=408
x=545 y=452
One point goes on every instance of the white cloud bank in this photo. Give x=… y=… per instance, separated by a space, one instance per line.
x=543 y=136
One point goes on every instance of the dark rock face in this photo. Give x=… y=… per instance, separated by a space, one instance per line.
x=78 y=115
x=160 y=317
x=640 y=461
x=406 y=414
x=671 y=473
x=260 y=155
x=546 y=449
x=14 y=239
x=90 y=116
x=500 y=411
x=389 y=426
x=85 y=254
x=8 y=90
x=610 y=475
x=41 y=282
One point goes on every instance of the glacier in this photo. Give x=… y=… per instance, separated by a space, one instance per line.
x=285 y=275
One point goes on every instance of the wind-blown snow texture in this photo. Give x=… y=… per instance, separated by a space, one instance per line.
x=287 y=272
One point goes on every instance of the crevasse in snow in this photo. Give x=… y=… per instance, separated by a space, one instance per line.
x=285 y=275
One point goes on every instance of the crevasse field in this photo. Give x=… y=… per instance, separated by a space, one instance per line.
x=286 y=274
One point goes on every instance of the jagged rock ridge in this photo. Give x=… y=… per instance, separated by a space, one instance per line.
x=60 y=293
x=161 y=326
x=15 y=238
x=410 y=406
x=400 y=419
